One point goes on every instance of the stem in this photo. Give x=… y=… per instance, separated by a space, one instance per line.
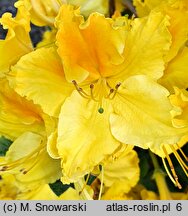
x=159 y=177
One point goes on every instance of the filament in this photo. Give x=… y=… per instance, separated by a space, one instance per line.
x=87 y=179
x=15 y=164
x=172 y=168
x=100 y=94
x=181 y=162
x=186 y=158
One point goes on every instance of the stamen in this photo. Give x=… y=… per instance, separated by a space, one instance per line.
x=80 y=192
x=116 y=89
x=60 y=2
x=92 y=94
x=4 y=168
x=80 y=90
x=17 y=163
x=118 y=85
x=99 y=94
x=167 y=171
x=186 y=158
x=181 y=162
x=37 y=158
x=172 y=168
x=111 y=91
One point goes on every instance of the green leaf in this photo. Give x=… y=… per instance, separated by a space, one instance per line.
x=59 y=188
x=4 y=145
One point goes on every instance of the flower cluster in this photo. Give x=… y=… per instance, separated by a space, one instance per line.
x=97 y=89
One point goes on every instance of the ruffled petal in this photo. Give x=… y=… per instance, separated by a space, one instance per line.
x=28 y=159
x=145 y=45
x=44 y=12
x=143 y=8
x=88 y=48
x=180 y=100
x=84 y=137
x=17 y=42
x=176 y=72
x=17 y=115
x=39 y=76
x=142 y=103
x=122 y=168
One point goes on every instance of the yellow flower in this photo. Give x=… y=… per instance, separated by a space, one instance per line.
x=121 y=166
x=143 y=8
x=12 y=190
x=180 y=101
x=29 y=161
x=17 y=115
x=17 y=42
x=44 y=12
x=111 y=66
x=120 y=174
x=175 y=73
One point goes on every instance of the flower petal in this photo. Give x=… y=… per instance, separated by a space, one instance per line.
x=28 y=153
x=84 y=137
x=17 y=115
x=17 y=39
x=124 y=167
x=176 y=72
x=145 y=46
x=88 y=48
x=39 y=76
x=142 y=114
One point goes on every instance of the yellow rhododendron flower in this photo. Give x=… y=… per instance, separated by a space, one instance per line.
x=28 y=159
x=11 y=190
x=17 y=115
x=180 y=100
x=175 y=73
x=17 y=41
x=114 y=168
x=112 y=69
x=44 y=12
x=117 y=181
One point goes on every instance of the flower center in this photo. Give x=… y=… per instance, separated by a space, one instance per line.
x=98 y=91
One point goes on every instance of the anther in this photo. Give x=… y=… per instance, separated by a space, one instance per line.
x=91 y=86
x=4 y=168
x=111 y=91
x=172 y=168
x=74 y=82
x=117 y=85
